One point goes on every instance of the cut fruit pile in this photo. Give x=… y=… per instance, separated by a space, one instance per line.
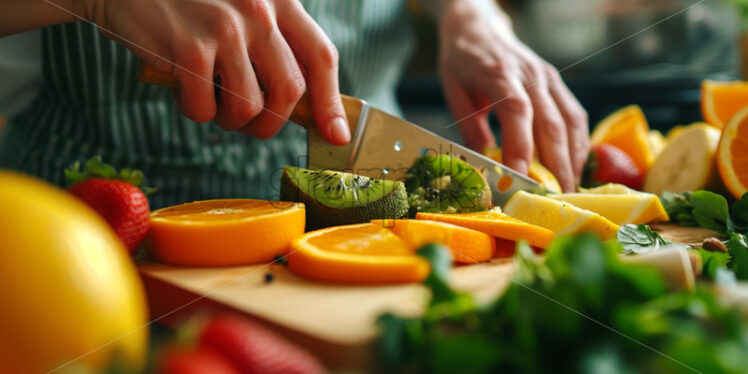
x=224 y=232
x=626 y=129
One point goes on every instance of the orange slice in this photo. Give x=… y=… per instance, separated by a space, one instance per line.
x=536 y=171
x=628 y=130
x=732 y=154
x=224 y=232
x=496 y=224
x=468 y=246
x=721 y=100
x=364 y=253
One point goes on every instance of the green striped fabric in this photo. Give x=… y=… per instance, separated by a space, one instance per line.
x=90 y=103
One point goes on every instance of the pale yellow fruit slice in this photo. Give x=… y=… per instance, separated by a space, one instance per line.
x=687 y=163
x=558 y=216
x=657 y=142
x=620 y=208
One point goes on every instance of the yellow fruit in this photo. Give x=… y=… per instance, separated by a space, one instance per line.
x=536 y=171
x=628 y=130
x=687 y=163
x=657 y=142
x=560 y=217
x=732 y=155
x=622 y=207
x=68 y=287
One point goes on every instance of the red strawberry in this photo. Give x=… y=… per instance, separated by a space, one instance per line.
x=116 y=197
x=194 y=361
x=609 y=164
x=254 y=349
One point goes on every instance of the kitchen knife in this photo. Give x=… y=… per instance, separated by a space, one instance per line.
x=383 y=145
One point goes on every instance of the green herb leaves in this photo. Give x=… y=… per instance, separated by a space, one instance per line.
x=580 y=310
x=708 y=210
x=638 y=239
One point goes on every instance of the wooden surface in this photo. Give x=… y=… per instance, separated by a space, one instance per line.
x=334 y=321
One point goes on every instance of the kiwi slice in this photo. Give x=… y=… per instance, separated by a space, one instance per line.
x=335 y=198
x=444 y=183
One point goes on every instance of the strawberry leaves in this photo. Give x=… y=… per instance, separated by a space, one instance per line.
x=96 y=168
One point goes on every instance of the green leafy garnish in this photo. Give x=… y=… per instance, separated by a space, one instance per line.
x=579 y=311
x=638 y=239
x=708 y=210
x=96 y=168
x=737 y=247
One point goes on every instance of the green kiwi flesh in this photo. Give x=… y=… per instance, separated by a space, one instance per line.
x=446 y=184
x=335 y=198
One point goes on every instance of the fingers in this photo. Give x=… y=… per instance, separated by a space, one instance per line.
x=575 y=117
x=515 y=113
x=195 y=71
x=240 y=95
x=319 y=59
x=551 y=136
x=471 y=122
x=282 y=80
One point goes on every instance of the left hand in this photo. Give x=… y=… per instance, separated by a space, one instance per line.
x=485 y=67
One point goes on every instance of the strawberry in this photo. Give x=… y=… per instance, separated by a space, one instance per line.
x=609 y=164
x=115 y=196
x=194 y=361
x=254 y=349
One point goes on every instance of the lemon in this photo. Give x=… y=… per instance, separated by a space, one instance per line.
x=619 y=204
x=558 y=216
x=68 y=289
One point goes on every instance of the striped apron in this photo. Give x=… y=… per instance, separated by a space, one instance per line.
x=90 y=103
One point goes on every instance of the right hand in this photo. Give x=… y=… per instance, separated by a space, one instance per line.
x=253 y=45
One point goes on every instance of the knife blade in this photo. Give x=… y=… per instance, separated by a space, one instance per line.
x=385 y=146
x=382 y=145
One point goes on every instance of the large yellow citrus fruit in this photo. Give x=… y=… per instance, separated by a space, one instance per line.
x=68 y=289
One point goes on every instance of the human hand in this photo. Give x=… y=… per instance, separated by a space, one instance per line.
x=484 y=67
x=254 y=46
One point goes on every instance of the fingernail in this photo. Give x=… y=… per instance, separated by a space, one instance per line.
x=339 y=131
x=521 y=166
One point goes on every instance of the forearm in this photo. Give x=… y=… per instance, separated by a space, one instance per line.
x=23 y=15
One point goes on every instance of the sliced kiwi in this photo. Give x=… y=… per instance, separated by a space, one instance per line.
x=336 y=198
x=447 y=184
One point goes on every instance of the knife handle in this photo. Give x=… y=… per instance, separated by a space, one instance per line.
x=301 y=115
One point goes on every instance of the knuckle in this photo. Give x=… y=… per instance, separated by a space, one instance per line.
x=293 y=89
x=518 y=104
x=328 y=54
x=228 y=25
x=261 y=15
x=553 y=129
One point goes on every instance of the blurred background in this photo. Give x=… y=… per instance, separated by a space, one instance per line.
x=660 y=69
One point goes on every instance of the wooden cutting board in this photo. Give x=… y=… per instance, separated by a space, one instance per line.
x=336 y=322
